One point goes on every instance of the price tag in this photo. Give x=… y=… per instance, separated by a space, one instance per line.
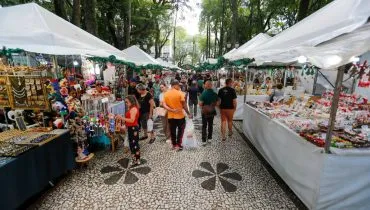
x=104 y=100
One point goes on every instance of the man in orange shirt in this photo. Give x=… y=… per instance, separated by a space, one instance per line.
x=174 y=102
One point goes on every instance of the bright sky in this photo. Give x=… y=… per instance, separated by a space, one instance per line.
x=191 y=18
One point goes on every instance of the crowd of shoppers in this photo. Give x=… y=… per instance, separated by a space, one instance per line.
x=174 y=97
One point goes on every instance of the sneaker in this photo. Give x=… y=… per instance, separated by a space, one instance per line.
x=209 y=140
x=230 y=134
x=168 y=141
x=143 y=138
x=152 y=141
x=204 y=143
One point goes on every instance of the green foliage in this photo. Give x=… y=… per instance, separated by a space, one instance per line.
x=254 y=16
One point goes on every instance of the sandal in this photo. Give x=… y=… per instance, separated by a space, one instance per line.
x=152 y=141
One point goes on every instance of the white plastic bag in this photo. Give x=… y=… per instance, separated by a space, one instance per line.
x=189 y=139
x=150 y=125
x=125 y=142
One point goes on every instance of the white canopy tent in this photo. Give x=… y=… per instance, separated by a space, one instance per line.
x=166 y=64
x=227 y=55
x=256 y=41
x=335 y=19
x=33 y=28
x=138 y=56
x=211 y=60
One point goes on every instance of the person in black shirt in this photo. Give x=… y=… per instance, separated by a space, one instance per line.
x=132 y=89
x=146 y=103
x=193 y=93
x=228 y=105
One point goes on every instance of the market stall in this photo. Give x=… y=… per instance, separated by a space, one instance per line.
x=321 y=181
x=325 y=168
x=30 y=164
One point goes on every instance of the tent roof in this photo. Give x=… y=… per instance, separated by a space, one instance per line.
x=339 y=50
x=256 y=41
x=138 y=56
x=229 y=53
x=33 y=28
x=337 y=18
x=166 y=64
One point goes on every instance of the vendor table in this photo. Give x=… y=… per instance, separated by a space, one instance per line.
x=340 y=180
x=28 y=174
x=238 y=115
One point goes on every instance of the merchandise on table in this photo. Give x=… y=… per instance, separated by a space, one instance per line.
x=9 y=149
x=309 y=116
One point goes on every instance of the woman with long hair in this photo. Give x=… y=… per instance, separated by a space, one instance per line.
x=131 y=120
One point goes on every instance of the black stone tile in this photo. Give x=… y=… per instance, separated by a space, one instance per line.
x=221 y=167
x=130 y=178
x=209 y=184
x=199 y=173
x=124 y=162
x=228 y=187
x=142 y=170
x=207 y=166
x=234 y=176
x=114 y=178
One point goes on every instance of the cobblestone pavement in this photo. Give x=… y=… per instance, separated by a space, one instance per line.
x=220 y=175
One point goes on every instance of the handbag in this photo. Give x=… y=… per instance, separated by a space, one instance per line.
x=160 y=111
x=209 y=110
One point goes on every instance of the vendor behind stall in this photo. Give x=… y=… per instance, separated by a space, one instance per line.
x=277 y=93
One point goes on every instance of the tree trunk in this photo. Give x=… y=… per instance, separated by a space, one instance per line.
x=76 y=13
x=215 y=45
x=127 y=23
x=112 y=28
x=60 y=9
x=221 y=43
x=303 y=9
x=207 y=40
x=90 y=16
x=234 y=10
x=157 y=40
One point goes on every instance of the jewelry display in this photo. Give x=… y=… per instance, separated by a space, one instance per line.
x=4 y=95
x=18 y=91
x=9 y=149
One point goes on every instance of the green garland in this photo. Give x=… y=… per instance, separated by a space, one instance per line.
x=131 y=65
x=8 y=52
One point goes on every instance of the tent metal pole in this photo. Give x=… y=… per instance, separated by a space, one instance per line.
x=246 y=83
x=353 y=87
x=315 y=82
x=334 y=108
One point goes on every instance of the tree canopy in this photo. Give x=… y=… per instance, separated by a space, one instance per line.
x=223 y=23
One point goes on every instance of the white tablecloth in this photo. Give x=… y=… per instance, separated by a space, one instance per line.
x=238 y=115
x=321 y=181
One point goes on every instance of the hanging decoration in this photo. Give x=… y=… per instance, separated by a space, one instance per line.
x=112 y=59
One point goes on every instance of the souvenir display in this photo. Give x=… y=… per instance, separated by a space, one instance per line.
x=9 y=149
x=35 y=138
x=309 y=117
x=28 y=93
x=4 y=94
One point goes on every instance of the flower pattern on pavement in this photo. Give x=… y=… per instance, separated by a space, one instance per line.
x=220 y=173
x=123 y=170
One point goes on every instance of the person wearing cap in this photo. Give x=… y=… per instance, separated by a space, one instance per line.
x=157 y=89
x=174 y=102
x=132 y=89
x=146 y=103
